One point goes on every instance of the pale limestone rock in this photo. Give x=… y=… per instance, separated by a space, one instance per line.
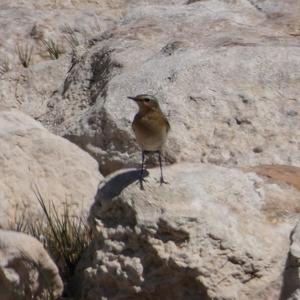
x=226 y=73
x=30 y=22
x=34 y=160
x=209 y=234
x=26 y=269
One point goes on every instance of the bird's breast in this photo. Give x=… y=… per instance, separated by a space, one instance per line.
x=150 y=130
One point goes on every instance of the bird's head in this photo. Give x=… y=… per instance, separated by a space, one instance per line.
x=146 y=102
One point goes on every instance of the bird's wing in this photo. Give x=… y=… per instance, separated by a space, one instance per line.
x=150 y=123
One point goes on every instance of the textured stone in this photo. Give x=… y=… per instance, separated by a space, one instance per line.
x=34 y=160
x=282 y=173
x=227 y=74
x=221 y=106
x=26 y=269
x=210 y=234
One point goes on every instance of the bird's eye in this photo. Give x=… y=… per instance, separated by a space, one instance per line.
x=146 y=100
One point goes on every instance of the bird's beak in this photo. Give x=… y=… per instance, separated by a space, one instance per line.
x=132 y=98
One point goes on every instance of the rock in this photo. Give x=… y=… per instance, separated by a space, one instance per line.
x=225 y=72
x=279 y=173
x=280 y=205
x=209 y=234
x=26 y=269
x=29 y=90
x=291 y=282
x=281 y=200
x=34 y=160
x=220 y=106
x=29 y=23
x=295 y=245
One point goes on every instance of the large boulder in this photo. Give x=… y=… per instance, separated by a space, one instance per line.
x=219 y=81
x=226 y=74
x=34 y=161
x=211 y=233
x=26 y=269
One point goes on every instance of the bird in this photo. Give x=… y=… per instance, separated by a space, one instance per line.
x=151 y=128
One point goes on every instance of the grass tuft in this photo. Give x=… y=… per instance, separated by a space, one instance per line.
x=52 y=48
x=70 y=36
x=4 y=65
x=64 y=235
x=25 y=54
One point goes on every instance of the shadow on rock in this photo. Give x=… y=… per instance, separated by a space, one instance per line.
x=112 y=186
x=291 y=280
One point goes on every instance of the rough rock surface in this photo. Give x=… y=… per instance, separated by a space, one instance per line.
x=29 y=22
x=26 y=269
x=279 y=173
x=227 y=74
x=34 y=160
x=212 y=233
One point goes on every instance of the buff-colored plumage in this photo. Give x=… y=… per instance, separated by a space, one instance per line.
x=150 y=126
x=151 y=129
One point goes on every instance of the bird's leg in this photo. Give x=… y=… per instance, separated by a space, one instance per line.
x=161 y=172
x=142 y=167
x=142 y=171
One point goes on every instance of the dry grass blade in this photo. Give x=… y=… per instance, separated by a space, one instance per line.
x=25 y=54
x=4 y=65
x=70 y=36
x=66 y=235
x=52 y=48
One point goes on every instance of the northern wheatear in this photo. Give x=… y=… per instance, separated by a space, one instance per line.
x=151 y=128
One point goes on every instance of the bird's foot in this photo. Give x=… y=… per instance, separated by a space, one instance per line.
x=142 y=180
x=162 y=181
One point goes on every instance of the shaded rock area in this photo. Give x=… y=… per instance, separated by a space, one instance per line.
x=291 y=283
x=33 y=160
x=210 y=234
x=26 y=269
